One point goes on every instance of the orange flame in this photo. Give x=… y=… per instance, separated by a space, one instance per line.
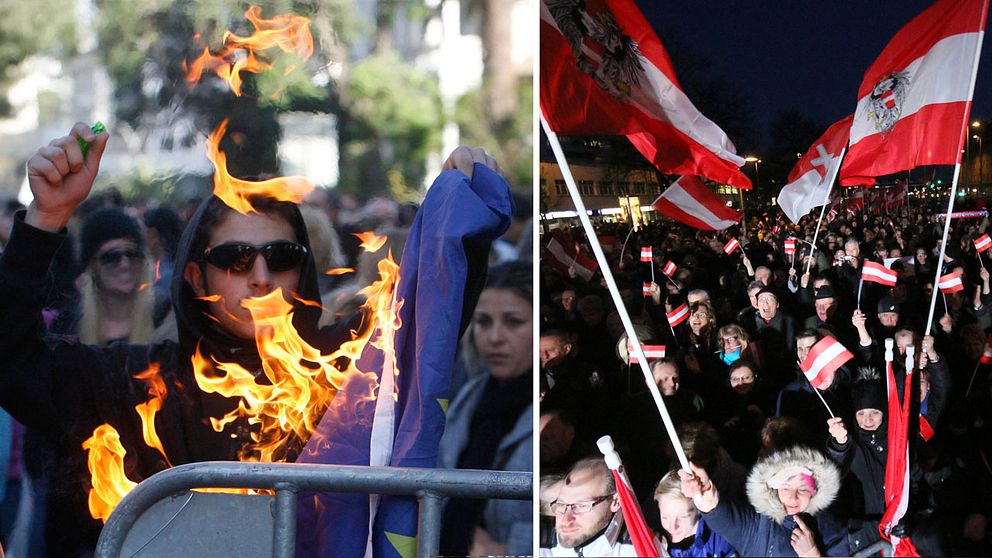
x=290 y=33
x=105 y=460
x=235 y=192
x=371 y=242
x=301 y=382
x=339 y=271
x=147 y=410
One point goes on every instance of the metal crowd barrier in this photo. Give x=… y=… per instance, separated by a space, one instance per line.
x=180 y=522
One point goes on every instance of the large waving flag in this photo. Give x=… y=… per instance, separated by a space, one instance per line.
x=563 y=254
x=914 y=101
x=442 y=272
x=604 y=72
x=689 y=201
x=810 y=180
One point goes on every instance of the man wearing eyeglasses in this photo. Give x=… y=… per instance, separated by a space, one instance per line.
x=587 y=518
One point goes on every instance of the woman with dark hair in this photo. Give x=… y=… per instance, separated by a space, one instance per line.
x=741 y=413
x=490 y=420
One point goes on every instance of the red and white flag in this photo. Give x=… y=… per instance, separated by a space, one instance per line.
x=647 y=289
x=896 y=492
x=669 y=268
x=832 y=214
x=562 y=254
x=689 y=201
x=983 y=243
x=878 y=273
x=651 y=352
x=730 y=246
x=677 y=316
x=644 y=540
x=646 y=254
x=823 y=359
x=810 y=179
x=604 y=72
x=897 y=196
x=855 y=203
x=916 y=97
x=790 y=246
x=950 y=283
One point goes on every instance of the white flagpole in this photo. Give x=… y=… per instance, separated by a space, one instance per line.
x=624 y=247
x=614 y=291
x=957 y=173
x=826 y=203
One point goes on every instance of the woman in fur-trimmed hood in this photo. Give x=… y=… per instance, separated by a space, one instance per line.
x=788 y=493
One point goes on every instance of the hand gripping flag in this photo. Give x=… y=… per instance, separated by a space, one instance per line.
x=983 y=243
x=950 y=283
x=823 y=359
x=604 y=72
x=915 y=98
x=641 y=536
x=677 y=316
x=669 y=268
x=730 y=246
x=563 y=255
x=878 y=273
x=440 y=278
x=651 y=352
x=646 y=254
x=689 y=201
x=790 y=246
x=811 y=178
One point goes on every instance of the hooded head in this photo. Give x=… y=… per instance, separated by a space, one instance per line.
x=219 y=326
x=781 y=478
x=869 y=403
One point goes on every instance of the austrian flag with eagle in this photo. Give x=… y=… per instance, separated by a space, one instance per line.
x=605 y=72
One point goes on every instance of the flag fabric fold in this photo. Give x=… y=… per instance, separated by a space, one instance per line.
x=810 y=180
x=825 y=357
x=915 y=98
x=441 y=274
x=689 y=201
x=878 y=273
x=605 y=72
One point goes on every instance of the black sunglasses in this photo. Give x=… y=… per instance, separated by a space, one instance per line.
x=114 y=257
x=280 y=256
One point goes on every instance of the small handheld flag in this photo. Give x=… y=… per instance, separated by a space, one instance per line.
x=647 y=289
x=669 y=268
x=790 y=246
x=824 y=358
x=651 y=352
x=679 y=315
x=646 y=254
x=950 y=283
x=878 y=273
x=731 y=245
x=983 y=243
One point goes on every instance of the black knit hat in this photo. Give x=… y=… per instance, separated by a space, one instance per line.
x=106 y=224
x=868 y=394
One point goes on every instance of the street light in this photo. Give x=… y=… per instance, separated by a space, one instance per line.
x=756 y=161
x=981 y=163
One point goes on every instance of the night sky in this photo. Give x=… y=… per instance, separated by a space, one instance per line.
x=805 y=55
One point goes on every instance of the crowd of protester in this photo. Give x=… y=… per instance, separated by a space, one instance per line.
x=112 y=282
x=778 y=467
